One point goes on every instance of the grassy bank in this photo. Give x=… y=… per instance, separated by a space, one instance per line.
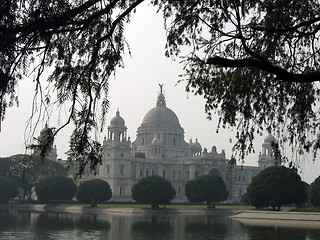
x=227 y=206
x=174 y=206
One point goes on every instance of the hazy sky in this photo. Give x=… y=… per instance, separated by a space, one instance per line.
x=134 y=90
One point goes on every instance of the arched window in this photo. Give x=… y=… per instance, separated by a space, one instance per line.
x=121 y=169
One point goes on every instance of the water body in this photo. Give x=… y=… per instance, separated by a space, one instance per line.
x=19 y=224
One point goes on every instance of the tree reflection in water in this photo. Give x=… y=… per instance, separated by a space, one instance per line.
x=16 y=224
x=153 y=227
x=206 y=227
x=278 y=229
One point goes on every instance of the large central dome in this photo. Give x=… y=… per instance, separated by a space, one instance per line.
x=160 y=134
x=161 y=116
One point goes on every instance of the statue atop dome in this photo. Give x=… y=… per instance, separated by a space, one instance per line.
x=161 y=86
x=161 y=100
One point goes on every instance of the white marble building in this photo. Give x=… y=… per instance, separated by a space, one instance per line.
x=160 y=148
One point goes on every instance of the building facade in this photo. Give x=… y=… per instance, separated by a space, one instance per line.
x=160 y=149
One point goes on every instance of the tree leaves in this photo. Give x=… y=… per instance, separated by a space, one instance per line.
x=264 y=75
x=255 y=63
x=83 y=42
x=209 y=188
x=276 y=186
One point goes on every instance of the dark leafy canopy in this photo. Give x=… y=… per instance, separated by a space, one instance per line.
x=153 y=190
x=55 y=188
x=83 y=42
x=93 y=191
x=28 y=170
x=314 y=193
x=245 y=198
x=276 y=186
x=255 y=62
x=207 y=188
x=8 y=188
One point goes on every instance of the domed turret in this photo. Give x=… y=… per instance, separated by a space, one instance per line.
x=269 y=138
x=117 y=131
x=117 y=121
x=195 y=148
x=266 y=158
x=196 y=145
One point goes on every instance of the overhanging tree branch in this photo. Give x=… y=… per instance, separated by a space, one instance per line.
x=280 y=73
x=294 y=28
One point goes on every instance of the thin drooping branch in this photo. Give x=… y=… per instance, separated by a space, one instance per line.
x=118 y=19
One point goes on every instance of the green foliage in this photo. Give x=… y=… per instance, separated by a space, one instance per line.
x=82 y=43
x=314 y=193
x=28 y=169
x=154 y=190
x=55 y=188
x=93 y=191
x=255 y=62
x=207 y=188
x=276 y=186
x=7 y=166
x=44 y=143
x=245 y=198
x=8 y=188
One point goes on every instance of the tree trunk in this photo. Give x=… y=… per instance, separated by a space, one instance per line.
x=94 y=203
x=210 y=204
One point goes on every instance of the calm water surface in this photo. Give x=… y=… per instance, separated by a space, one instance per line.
x=17 y=224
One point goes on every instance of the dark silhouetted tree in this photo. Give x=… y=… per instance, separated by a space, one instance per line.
x=245 y=198
x=276 y=186
x=93 y=191
x=207 y=188
x=55 y=188
x=153 y=190
x=82 y=42
x=314 y=193
x=255 y=62
x=8 y=188
x=28 y=170
x=7 y=166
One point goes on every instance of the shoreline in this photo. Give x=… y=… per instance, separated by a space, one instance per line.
x=237 y=214
x=287 y=216
x=119 y=210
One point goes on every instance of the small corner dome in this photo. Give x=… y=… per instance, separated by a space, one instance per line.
x=269 y=138
x=196 y=145
x=117 y=120
x=156 y=142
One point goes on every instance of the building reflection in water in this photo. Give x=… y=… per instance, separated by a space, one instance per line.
x=48 y=225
